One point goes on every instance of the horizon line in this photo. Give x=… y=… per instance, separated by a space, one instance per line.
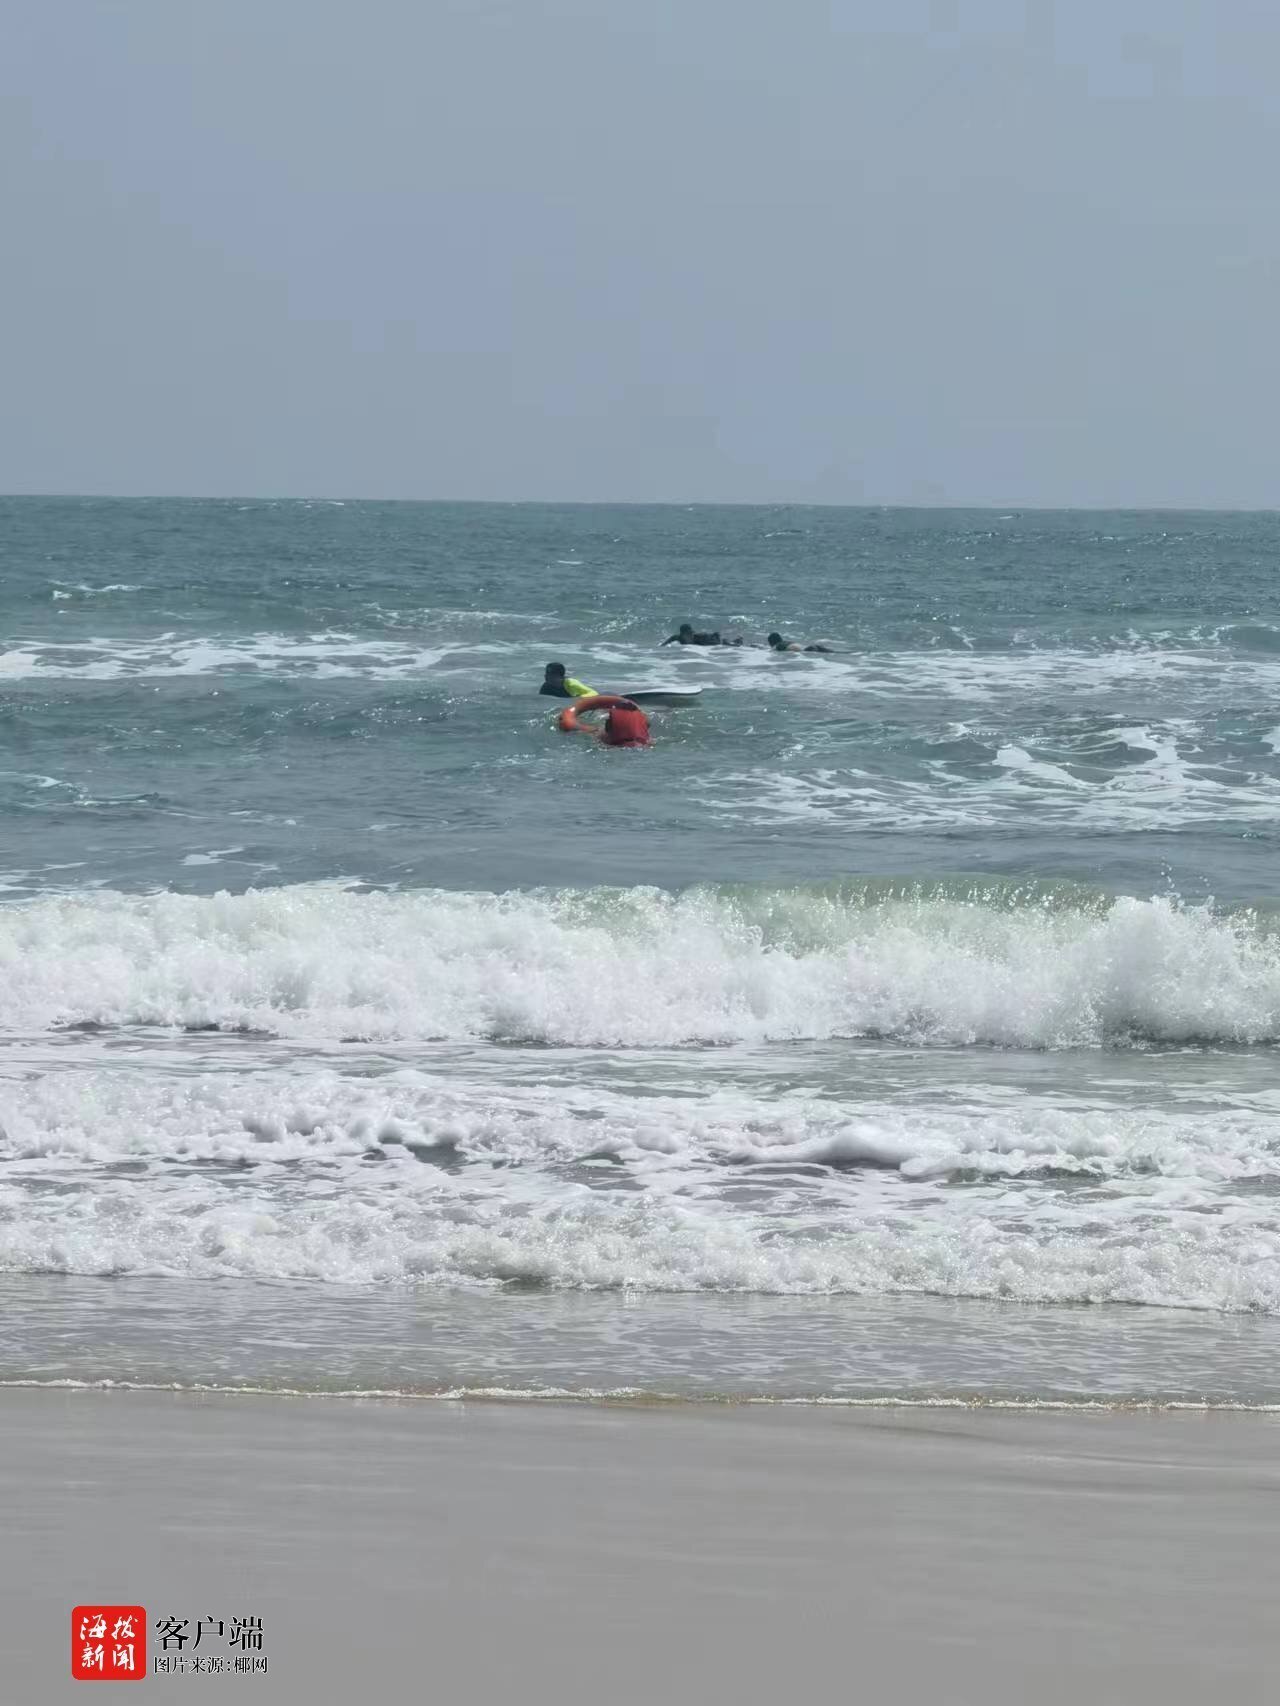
x=1010 y=508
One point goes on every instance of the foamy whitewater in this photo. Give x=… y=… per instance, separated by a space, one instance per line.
x=902 y=1024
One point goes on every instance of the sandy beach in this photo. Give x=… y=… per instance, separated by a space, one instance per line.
x=533 y=1551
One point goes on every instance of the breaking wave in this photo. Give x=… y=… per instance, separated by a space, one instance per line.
x=951 y=963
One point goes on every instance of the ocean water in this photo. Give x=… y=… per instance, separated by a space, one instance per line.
x=902 y=1024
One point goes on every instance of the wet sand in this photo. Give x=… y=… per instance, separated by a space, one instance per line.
x=595 y=1553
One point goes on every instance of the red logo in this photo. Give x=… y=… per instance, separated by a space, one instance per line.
x=108 y=1643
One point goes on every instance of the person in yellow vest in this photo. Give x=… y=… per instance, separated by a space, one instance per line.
x=557 y=685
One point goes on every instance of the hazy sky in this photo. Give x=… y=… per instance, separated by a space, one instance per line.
x=1007 y=251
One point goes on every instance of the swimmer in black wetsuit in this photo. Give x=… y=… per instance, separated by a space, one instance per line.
x=688 y=637
x=778 y=644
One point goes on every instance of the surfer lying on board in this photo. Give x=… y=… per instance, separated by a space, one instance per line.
x=688 y=636
x=778 y=644
x=557 y=685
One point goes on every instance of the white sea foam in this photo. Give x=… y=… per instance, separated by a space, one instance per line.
x=1017 y=758
x=284 y=1114
x=704 y=967
x=33 y=779
x=962 y=674
x=591 y=1240
x=320 y=655
x=1054 y=674
x=214 y=856
x=1078 y=778
x=91 y=591
x=306 y=1174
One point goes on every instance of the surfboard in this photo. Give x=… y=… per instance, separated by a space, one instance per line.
x=671 y=696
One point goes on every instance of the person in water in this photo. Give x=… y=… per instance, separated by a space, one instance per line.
x=688 y=636
x=557 y=685
x=626 y=725
x=778 y=644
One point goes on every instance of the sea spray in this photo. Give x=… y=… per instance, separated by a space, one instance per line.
x=938 y=963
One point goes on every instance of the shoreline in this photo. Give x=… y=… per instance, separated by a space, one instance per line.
x=673 y=1401
x=235 y=1335
x=688 y=1551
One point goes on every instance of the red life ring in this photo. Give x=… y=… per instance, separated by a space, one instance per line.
x=568 y=718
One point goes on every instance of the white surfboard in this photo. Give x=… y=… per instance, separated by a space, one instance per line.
x=670 y=696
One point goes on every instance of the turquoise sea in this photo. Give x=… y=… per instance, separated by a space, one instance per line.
x=902 y=1023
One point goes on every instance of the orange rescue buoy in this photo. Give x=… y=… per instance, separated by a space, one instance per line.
x=626 y=724
x=568 y=718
